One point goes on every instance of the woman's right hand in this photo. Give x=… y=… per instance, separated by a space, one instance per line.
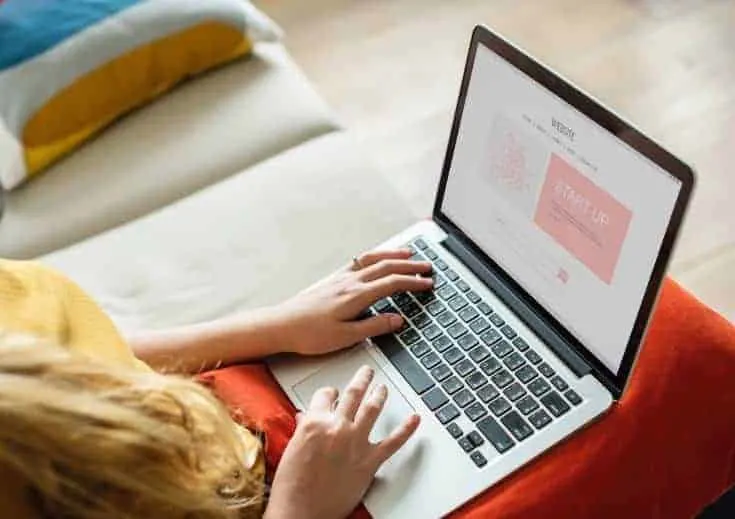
x=329 y=464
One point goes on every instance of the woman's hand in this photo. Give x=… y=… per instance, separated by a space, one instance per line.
x=323 y=318
x=329 y=463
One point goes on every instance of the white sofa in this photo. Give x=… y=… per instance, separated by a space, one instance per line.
x=234 y=191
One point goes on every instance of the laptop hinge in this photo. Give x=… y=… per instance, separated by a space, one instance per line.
x=506 y=294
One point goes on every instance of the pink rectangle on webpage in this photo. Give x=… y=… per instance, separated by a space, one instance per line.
x=582 y=218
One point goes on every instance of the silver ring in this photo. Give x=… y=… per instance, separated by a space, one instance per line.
x=356 y=263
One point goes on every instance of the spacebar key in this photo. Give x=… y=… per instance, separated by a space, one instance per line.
x=404 y=363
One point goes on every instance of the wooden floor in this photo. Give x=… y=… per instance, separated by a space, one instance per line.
x=391 y=69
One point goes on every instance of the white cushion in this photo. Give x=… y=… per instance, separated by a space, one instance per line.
x=250 y=240
x=204 y=131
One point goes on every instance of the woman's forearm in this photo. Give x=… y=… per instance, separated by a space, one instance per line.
x=198 y=347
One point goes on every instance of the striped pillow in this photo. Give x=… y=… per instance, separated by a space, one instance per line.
x=69 y=68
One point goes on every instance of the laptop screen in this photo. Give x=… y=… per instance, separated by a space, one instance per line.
x=573 y=214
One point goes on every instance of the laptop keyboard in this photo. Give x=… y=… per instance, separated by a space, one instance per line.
x=458 y=353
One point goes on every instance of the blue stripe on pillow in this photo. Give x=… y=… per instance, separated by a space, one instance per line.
x=31 y=27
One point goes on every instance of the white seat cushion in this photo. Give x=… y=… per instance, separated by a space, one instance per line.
x=250 y=240
x=204 y=131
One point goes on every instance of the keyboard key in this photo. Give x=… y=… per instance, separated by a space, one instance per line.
x=499 y=406
x=476 y=438
x=382 y=306
x=441 y=343
x=514 y=391
x=425 y=297
x=508 y=331
x=495 y=434
x=490 y=337
x=421 y=320
x=546 y=370
x=476 y=380
x=573 y=397
x=452 y=385
x=446 y=292
x=484 y=308
x=520 y=344
x=502 y=378
x=457 y=303
x=446 y=319
x=440 y=372
x=479 y=354
x=475 y=411
x=435 y=308
x=421 y=244
x=434 y=399
x=453 y=355
x=466 y=444
x=455 y=430
x=517 y=426
x=404 y=363
x=497 y=320
x=451 y=275
x=409 y=336
x=502 y=348
x=447 y=413
x=514 y=361
x=411 y=248
x=464 y=368
x=468 y=314
x=490 y=366
x=487 y=393
x=473 y=297
x=479 y=460
x=401 y=298
x=411 y=309
x=430 y=254
x=463 y=398
x=439 y=281
x=539 y=386
x=559 y=383
x=533 y=357
x=467 y=342
x=462 y=285
x=527 y=405
x=456 y=330
x=440 y=264
x=431 y=332
x=526 y=374
x=420 y=348
x=539 y=419
x=430 y=360
x=555 y=403
x=480 y=325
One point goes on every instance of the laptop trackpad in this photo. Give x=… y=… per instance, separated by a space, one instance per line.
x=339 y=372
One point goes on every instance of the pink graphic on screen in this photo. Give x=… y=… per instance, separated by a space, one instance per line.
x=582 y=217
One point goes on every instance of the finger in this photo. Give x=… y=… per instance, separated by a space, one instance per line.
x=397 y=439
x=323 y=399
x=370 y=258
x=354 y=393
x=386 y=267
x=390 y=284
x=380 y=324
x=371 y=408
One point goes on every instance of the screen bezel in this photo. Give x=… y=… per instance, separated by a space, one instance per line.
x=619 y=128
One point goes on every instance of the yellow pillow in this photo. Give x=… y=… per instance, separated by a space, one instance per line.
x=69 y=68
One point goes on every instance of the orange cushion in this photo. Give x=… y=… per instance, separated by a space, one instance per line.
x=667 y=449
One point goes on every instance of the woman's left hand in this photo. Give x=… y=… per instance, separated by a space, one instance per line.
x=323 y=318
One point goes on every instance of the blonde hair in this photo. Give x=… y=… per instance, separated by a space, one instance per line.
x=98 y=441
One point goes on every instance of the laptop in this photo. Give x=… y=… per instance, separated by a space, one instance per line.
x=553 y=223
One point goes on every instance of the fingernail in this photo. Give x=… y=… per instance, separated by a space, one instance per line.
x=396 y=321
x=367 y=370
